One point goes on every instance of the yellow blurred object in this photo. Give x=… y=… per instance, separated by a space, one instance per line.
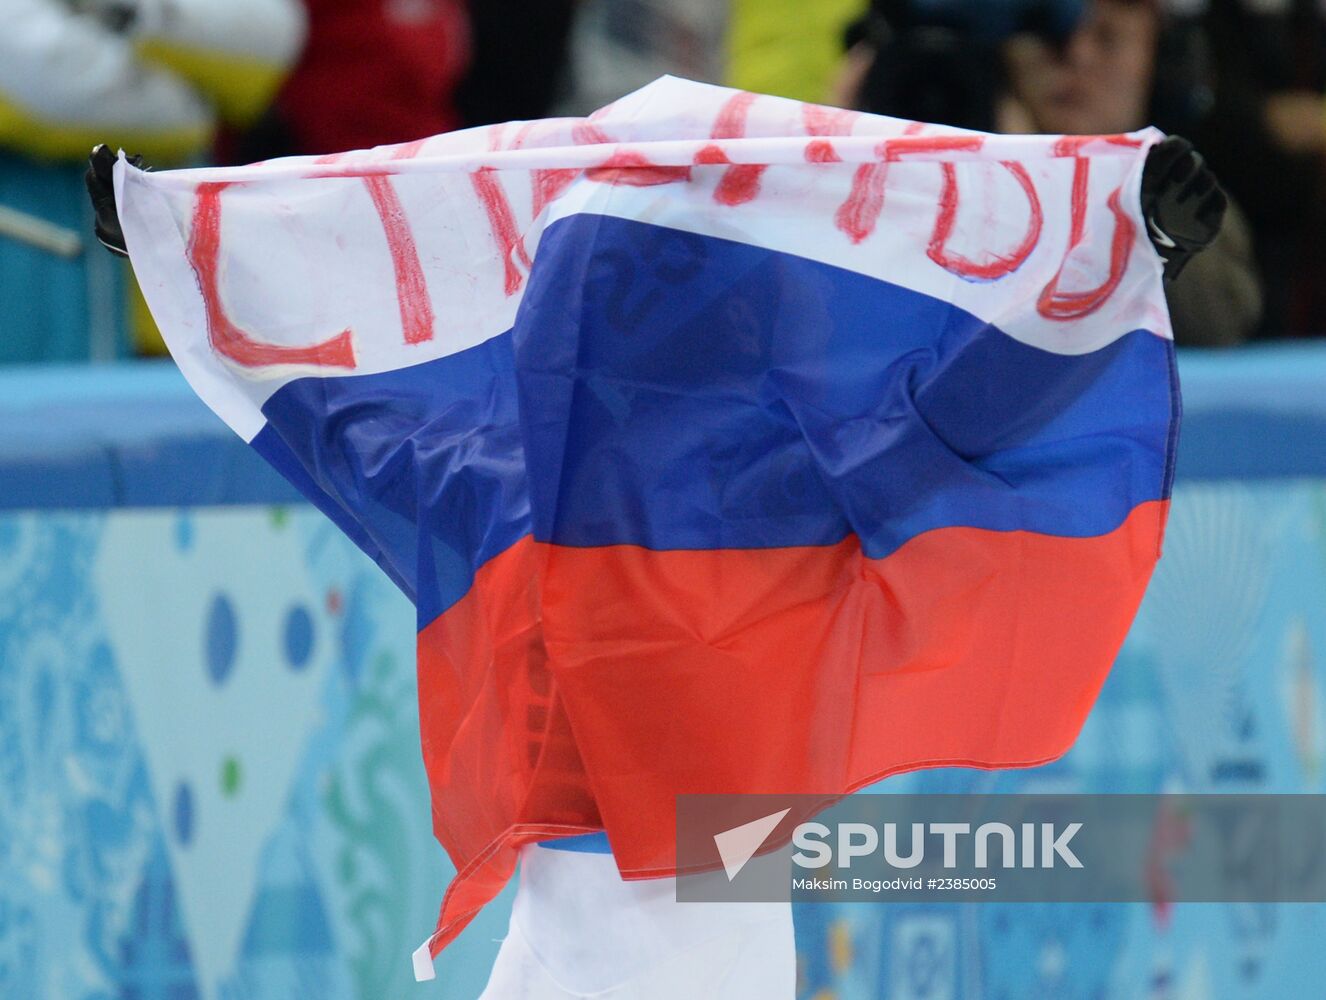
x=49 y=140
x=840 y=946
x=787 y=47
x=240 y=88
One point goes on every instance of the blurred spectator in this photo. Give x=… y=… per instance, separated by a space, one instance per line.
x=1110 y=75
x=940 y=60
x=1267 y=140
x=783 y=47
x=1101 y=67
x=374 y=72
x=153 y=76
x=620 y=45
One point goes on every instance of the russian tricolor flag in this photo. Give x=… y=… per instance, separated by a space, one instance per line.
x=723 y=443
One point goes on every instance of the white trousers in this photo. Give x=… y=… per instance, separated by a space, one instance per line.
x=579 y=931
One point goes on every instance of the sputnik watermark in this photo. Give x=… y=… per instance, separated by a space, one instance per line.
x=861 y=840
x=1142 y=848
x=817 y=845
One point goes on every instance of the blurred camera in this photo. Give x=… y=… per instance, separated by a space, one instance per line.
x=939 y=60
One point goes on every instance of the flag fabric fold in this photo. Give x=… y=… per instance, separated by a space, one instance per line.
x=723 y=443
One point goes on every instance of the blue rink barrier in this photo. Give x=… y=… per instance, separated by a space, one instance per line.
x=210 y=781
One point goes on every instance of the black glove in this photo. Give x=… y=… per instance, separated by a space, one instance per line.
x=100 y=180
x=1182 y=203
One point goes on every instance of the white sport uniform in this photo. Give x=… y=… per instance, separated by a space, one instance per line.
x=578 y=931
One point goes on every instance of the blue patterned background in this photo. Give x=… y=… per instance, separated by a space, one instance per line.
x=169 y=831
x=212 y=785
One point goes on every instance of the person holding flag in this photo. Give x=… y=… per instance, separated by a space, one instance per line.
x=722 y=443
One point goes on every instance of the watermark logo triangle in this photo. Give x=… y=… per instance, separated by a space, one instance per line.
x=738 y=845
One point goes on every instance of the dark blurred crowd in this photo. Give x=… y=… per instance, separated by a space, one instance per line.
x=188 y=82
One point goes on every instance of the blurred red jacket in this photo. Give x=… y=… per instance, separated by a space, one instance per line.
x=373 y=72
